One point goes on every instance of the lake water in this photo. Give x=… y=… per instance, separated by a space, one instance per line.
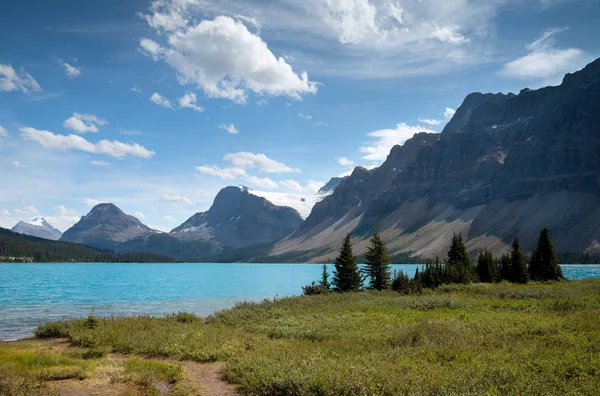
x=33 y=293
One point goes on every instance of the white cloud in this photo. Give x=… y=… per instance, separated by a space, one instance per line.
x=229 y=128
x=344 y=161
x=449 y=113
x=74 y=142
x=17 y=164
x=261 y=162
x=82 y=123
x=226 y=60
x=3 y=132
x=292 y=185
x=189 y=101
x=103 y=164
x=61 y=210
x=91 y=202
x=262 y=103
x=135 y=89
x=161 y=101
x=170 y=219
x=379 y=149
x=176 y=199
x=72 y=71
x=22 y=81
x=322 y=124
x=544 y=60
x=223 y=173
x=140 y=215
x=259 y=182
x=430 y=121
x=304 y=116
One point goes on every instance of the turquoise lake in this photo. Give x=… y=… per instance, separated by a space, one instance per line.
x=33 y=293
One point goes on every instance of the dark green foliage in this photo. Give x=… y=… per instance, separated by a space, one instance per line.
x=579 y=258
x=325 y=285
x=544 y=263
x=404 y=285
x=45 y=251
x=505 y=271
x=486 y=267
x=458 y=262
x=377 y=269
x=518 y=264
x=346 y=276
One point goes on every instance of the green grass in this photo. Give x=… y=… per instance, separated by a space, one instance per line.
x=477 y=339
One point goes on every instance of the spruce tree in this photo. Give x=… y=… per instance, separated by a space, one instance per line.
x=346 y=276
x=505 y=272
x=324 y=283
x=377 y=267
x=518 y=265
x=486 y=267
x=544 y=263
x=458 y=262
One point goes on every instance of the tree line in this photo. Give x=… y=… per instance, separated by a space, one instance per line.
x=45 y=251
x=457 y=268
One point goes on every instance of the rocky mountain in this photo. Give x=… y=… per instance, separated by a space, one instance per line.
x=38 y=228
x=105 y=227
x=238 y=219
x=331 y=185
x=504 y=165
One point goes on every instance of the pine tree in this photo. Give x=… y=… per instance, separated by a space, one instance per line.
x=458 y=262
x=518 y=265
x=544 y=263
x=486 y=267
x=505 y=271
x=377 y=267
x=324 y=283
x=346 y=276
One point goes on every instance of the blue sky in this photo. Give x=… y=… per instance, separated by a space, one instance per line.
x=156 y=105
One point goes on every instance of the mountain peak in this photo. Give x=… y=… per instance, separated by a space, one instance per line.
x=38 y=227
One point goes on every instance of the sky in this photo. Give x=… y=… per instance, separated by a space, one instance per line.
x=157 y=105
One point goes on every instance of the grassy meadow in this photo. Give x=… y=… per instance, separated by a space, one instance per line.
x=493 y=339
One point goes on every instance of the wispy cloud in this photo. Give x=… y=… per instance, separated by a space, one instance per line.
x=72 y=71
x=22 y=81
x=229 y=128
x=161 y=101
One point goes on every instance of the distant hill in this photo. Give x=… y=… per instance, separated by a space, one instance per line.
x=38 y=228
x=13 y=244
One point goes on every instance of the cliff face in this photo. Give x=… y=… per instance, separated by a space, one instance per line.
x=238 y=219
x=504 y=165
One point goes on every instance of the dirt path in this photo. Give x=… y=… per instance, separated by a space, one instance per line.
x=208 y=376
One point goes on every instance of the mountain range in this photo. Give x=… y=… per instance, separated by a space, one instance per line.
x=504 y=165
x=38 y=228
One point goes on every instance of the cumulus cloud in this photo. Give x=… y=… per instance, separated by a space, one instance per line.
x=449 y=113
x=223 y=173
x=22 y=81
x=103 y=164
x=246 y=160
x=229 y=128
x=91 y=202
x=344 y=161
x=74 y=142
x=61 y=210
x=430 y=121
x=385 y=139
x=224 y=59
x=3 y=132
x=161 y=101
x=176 y=199
x=82 y=123
x=292 y=185
x=188 y=101
x=72 y=71
x=263 y=182
x=544 y=59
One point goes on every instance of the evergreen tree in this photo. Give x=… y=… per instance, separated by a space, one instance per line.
x=377 y=267
x=458 y=262
x=346 y=276
x=518 y=265
x=401 y=283
x=544 y=263
x=505 y=271
x=486 y=267
x=324 y=283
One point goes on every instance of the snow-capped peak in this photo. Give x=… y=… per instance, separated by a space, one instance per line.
x=40 y=222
